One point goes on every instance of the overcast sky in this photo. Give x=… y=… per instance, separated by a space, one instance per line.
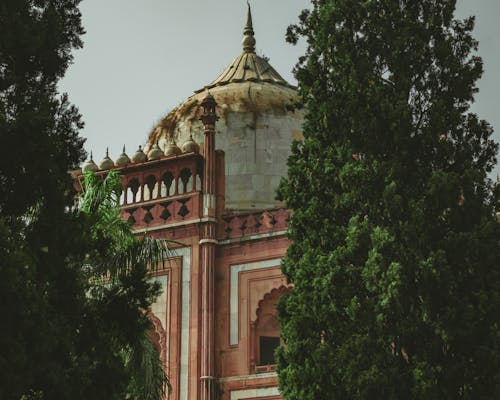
x=141 y=58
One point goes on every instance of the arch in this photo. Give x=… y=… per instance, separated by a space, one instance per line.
x=149 y=186
x=167 y=182
x=158 y=336
x=133 y=191
x=185 y=180
x=123 y=196
x=270 y=298
x=265 y=332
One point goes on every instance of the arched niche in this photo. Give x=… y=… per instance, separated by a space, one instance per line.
x=158 y=336
x=167 y=187
x=185 y=181
x=150 y=188
x=133 y=194
x=265 y=332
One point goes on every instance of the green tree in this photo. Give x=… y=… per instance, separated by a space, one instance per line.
x=40 y=286
x=395 y=248
x=38 y=128
x=120 y=289
x=62 y=334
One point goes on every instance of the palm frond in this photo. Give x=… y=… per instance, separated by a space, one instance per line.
x=149 y=380
x=123 y=254
x=146 y=252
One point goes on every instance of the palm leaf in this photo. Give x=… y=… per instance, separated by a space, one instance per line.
x=149 y=379
x=123 y=253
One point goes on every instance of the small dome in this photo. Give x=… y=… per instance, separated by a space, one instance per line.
x=139 y=156
x=172 y=148
x=106 y=163
x=90 y=165
x=190 y=146
x=155 y=153
x=122 y=159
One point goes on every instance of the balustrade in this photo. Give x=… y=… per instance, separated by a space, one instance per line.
x=161 y=193
x=251 y=223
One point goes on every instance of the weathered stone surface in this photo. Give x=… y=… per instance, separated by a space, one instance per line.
x=255 y=130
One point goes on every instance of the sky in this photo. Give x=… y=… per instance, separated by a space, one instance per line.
x=141 y=58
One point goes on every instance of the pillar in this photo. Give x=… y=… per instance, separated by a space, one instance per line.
x=207 y=250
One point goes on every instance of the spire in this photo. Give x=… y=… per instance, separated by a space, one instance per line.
x=248 y=38
x=248 y=66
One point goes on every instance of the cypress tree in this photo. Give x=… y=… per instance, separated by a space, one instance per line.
x=395 y=247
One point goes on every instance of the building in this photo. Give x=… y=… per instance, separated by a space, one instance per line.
x=215 y=322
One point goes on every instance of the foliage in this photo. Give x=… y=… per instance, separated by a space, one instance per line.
x=38 y=128
x=395 y=249
x=121 y=250
x=63 y=335
x=41 y=289
x=120 y=260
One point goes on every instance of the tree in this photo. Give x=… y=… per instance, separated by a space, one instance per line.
x=63 y=335
x=40 y=286
x=395 y=248
x=82 y=329
x=38 y=128
x=118 y=272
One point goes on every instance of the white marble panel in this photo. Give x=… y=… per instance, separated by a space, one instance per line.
x=254 y=393
x=234 y=293
x=185 y=254
x=159 y=308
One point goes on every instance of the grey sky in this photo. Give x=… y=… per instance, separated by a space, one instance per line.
x=143 y=57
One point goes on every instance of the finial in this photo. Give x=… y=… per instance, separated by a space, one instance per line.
x=139 y=156
x=122 y=160
x=90 y=165
x=248 y=34
x=208 y=105
x=155 y=153
x=106 y=163
x=172 y=148
x=190 y=146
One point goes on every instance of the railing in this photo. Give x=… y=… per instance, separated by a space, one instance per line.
x=169 y=191
x=259 y=369
x=162 y=192
x=162 y=179
x=165 y=211
x=251 y=223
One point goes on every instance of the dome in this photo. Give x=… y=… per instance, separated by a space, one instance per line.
x=257 y=123
x=122 y=159
x=171 y=147
x=90 y=165
x=106 y=162
x=155 y=153
x=190 y=146
x=139 y=156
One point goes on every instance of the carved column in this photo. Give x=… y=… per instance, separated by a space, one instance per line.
x=209 y=118
x=207 y=244
x=253 y=346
